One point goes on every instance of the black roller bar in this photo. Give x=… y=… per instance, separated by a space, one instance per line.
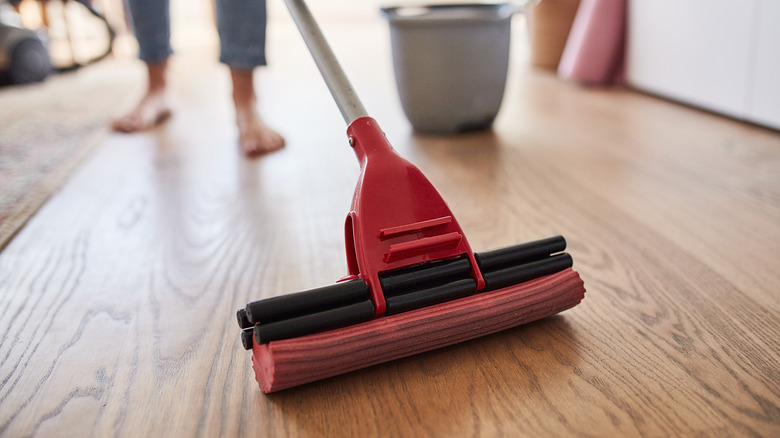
x=243 y=321
x=314 y=322
x=519 y=254
x=309 y=301
x=414 y=277
x=429 y=296
x=347 y=303
x=246 y=338
x=525 y=272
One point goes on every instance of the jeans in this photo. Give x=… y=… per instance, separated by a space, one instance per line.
x=241 y=26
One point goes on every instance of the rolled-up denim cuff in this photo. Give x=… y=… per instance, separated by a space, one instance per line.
x=152 y=27
x=242 y=58
x=241 y=25
x=153 y=55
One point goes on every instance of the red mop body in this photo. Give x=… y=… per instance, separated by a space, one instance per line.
x=414 y=283
x=293 y=362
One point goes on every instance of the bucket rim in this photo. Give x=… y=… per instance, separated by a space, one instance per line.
x=450 y=13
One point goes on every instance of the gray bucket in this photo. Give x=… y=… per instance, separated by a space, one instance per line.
x=450 y=63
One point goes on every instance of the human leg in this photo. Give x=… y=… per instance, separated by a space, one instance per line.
x=254 y=136
x=241 y=25
x=151 y=22
x=153 y=107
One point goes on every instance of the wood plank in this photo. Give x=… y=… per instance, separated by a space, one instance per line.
x=117 y=300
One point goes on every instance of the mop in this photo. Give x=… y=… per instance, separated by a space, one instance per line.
x=414 y=284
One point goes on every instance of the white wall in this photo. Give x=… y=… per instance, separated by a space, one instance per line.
x=764 y=103
x=723 y=55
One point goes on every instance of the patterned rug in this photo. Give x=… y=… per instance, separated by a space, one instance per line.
x=47 y=129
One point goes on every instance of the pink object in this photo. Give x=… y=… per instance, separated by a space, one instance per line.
x=594 y=49
x=291 y=362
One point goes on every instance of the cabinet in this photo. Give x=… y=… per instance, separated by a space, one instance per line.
x=722 y=55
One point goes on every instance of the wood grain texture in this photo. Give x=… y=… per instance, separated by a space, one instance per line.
x=117 y=300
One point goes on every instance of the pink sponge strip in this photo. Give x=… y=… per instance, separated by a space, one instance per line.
x=284 y=364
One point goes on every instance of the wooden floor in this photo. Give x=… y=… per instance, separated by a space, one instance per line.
x=117 y=300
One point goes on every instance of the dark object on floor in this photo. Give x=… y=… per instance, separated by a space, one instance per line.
x=23 y=56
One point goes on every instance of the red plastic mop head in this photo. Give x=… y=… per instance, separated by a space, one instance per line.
x=413 y=285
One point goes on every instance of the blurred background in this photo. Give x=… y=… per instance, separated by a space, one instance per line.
x=714 y=54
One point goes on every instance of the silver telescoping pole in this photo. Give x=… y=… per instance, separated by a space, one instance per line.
x=347 y=100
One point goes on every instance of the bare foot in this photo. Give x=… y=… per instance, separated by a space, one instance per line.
x=254 y=136
x=152 y=110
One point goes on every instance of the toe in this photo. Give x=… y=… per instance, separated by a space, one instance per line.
x=125 y=124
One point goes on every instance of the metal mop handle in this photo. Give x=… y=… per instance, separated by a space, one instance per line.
x=347 y=100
